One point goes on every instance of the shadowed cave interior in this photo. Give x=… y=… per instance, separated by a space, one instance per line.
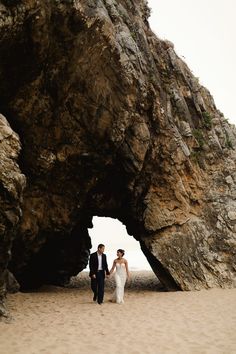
x=55 y=265
x=61 y=248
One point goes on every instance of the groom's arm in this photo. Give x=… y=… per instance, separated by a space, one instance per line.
x=92 y=265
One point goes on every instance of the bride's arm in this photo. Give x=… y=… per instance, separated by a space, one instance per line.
x=127 y=269
x=113 y=267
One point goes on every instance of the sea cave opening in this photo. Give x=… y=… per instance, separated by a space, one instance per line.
x=112 y=233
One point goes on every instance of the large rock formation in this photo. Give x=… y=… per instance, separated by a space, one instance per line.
x=12 y=182
x=111 y=123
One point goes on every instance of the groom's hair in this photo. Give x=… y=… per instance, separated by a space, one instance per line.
x=100 y=245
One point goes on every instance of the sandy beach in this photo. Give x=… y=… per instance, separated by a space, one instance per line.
x=67 y=321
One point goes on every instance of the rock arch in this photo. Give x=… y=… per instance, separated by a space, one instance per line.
x=111 y=122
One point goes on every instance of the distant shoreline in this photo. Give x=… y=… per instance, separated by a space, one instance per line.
x=144 y=279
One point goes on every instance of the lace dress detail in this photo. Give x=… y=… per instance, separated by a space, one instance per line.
x=120 y=279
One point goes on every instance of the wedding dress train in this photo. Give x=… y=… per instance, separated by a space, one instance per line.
x=120 y=279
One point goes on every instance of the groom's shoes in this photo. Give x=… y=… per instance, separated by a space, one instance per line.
x=94 y=297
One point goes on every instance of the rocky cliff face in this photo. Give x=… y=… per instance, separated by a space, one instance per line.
x=12 y=183
x=111 y=123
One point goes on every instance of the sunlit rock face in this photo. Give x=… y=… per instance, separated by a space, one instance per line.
x=111 y=123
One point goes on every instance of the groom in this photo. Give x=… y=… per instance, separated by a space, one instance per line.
x=98 y=266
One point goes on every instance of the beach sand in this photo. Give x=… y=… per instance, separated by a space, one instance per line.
x=67 y=321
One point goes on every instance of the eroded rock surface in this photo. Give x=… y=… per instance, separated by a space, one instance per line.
x=12 y=183
x=112 y=123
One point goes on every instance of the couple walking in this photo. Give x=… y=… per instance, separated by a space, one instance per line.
x=98 y=267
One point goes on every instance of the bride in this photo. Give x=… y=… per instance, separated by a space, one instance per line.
x=120 y=264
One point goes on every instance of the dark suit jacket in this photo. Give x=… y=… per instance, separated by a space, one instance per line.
x=93 y=264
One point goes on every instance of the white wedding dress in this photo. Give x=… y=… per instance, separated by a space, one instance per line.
x=120 y=279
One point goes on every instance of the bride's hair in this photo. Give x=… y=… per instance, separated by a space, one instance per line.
x=121 y=251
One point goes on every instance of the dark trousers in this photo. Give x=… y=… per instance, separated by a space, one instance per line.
x=97 y=286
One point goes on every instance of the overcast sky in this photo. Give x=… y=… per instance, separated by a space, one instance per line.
x=203 y=33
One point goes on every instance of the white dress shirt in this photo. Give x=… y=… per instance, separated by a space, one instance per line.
x=99 y=261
